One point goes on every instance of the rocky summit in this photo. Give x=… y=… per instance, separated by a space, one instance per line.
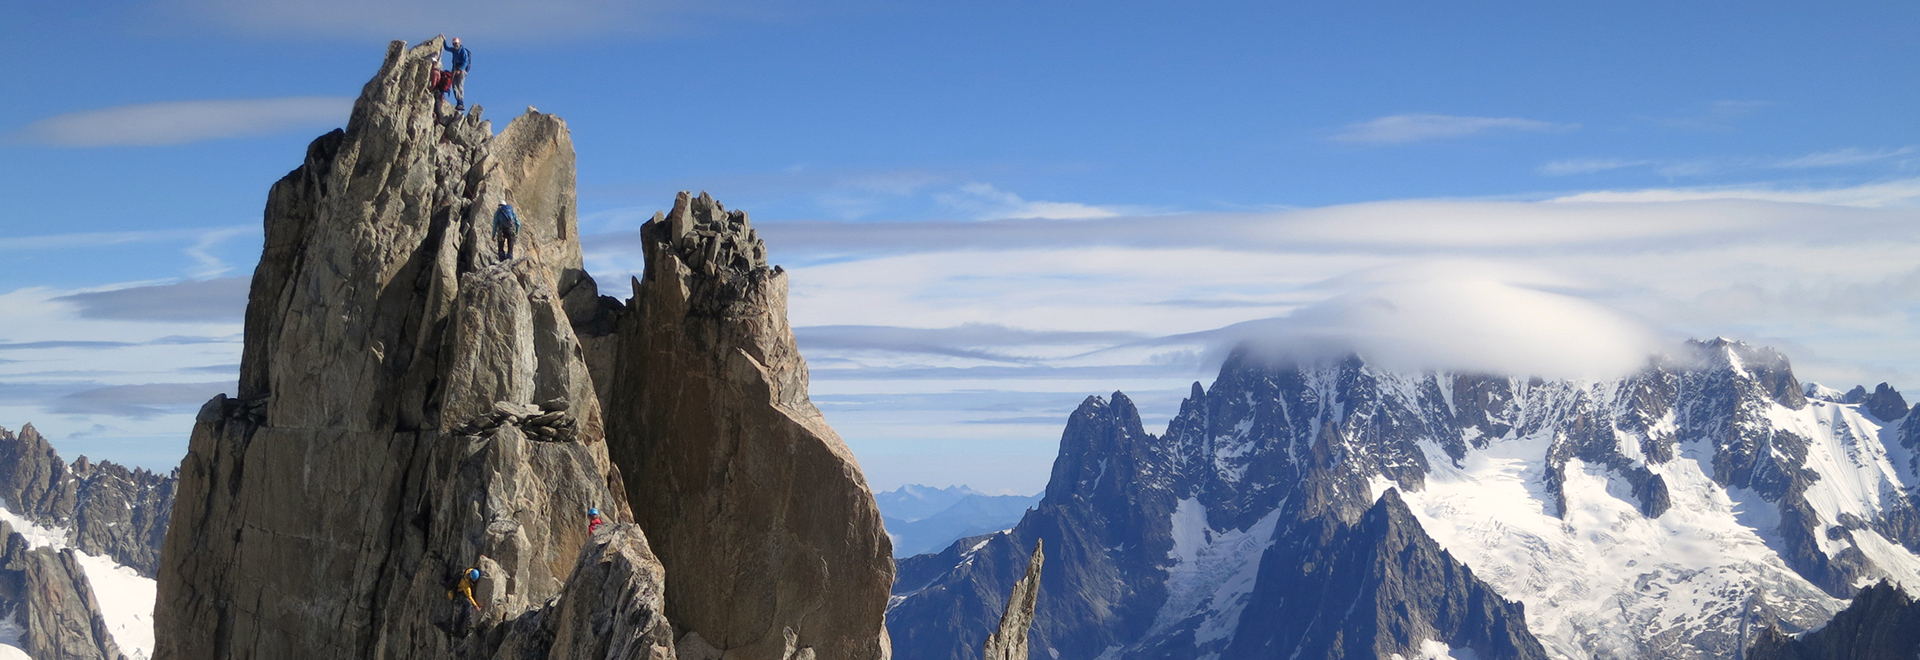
x=415 y=403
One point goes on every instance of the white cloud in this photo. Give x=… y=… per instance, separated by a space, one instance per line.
x=181 y=122
x=1459 y=317
x=1396 y=129
x=985 y=202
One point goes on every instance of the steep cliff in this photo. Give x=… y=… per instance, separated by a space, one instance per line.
x=402 y=395
x=772 y=542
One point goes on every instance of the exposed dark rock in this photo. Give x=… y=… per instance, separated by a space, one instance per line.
x=1882 y=623
x=52 y=603
x=106 y=509
x=1009 y=641
x=1885 y=403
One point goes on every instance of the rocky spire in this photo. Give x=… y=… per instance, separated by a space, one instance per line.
x=771 y=539
x=1009 y=641
x=396 y=379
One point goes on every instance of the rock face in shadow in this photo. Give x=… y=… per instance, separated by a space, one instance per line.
x=106 y=509
x=402 y=395
x=771 y=540
x=53 y=606
x=1009 y=641
x=1883 y=623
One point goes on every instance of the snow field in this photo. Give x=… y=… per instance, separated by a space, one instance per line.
x=126 y=599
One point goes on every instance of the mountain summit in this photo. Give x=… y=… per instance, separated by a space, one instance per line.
x=414 y=404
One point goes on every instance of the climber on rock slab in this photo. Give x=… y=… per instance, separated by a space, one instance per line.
x=506 y=226
x=468 y=578
x=594 y=522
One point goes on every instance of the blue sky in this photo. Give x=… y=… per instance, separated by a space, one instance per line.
x=1120 y=172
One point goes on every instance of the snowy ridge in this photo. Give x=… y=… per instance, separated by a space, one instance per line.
x=1675 y=512
x=1634 y=517
x=126 y=599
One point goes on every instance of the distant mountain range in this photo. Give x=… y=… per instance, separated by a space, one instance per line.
x=924 y=519
x=1705 y=506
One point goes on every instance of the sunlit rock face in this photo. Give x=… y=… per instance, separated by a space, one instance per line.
x=414 y=402
x=395 y=419
x=771 y=539
x=1672 y=512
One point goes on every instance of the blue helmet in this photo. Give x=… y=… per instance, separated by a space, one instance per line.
x=593 y=512
x=473 y=573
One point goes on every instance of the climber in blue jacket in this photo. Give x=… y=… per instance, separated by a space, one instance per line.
x=457 y=66
x=506 y=227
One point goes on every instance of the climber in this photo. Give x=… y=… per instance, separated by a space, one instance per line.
x=506 y=226
x=440 y=82
x=457 y=68
x=467 y=580
x=596 y=522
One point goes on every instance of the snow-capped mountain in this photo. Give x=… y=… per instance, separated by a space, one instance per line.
x=1672 y=513
x=79 y=544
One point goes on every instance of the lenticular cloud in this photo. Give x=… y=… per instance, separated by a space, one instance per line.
x=1424 y=319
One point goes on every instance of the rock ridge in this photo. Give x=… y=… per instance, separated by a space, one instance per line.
x=104 y=508
x=759 y=512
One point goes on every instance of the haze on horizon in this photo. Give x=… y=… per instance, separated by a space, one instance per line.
x=993 y=210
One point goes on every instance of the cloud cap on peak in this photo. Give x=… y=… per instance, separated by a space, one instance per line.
x=1453 y=318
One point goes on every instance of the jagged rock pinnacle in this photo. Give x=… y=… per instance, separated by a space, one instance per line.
x=1009 y=641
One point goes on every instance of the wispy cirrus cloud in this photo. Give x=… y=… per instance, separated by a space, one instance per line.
x=1401 y=129
x=222 y=299
x=1718 y=116
x=1588 y=165
x=1683 y=167
x=1900 y=193
x=183 y=122
x=1844 y=157
x=985 y=202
